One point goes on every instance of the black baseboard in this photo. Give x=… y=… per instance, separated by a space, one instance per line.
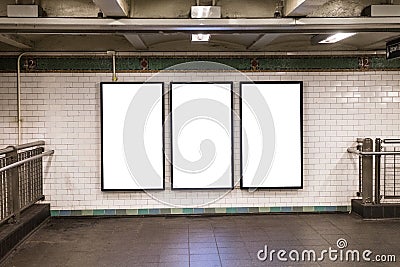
x=372 y=211
x=12 y=234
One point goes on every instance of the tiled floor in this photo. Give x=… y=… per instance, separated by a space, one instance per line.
x=204 y=241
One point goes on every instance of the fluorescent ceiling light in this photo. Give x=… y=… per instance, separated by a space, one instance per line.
x=200 y=37
x=336 y=37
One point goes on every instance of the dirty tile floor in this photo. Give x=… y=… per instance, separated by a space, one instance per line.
x=208 y=241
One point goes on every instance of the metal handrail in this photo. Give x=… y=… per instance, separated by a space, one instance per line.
x=361 y=153
x=19 y=163
x=7 y=150
x=31 y=144
x=23 y=146
x=365 y=176
x=391 y=141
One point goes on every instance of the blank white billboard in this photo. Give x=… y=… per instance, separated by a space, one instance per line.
x=132 y=136
x=201 y=135
x=271 y=135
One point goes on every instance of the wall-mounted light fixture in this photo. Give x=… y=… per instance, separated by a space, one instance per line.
x=330 y=39
x=200 y=37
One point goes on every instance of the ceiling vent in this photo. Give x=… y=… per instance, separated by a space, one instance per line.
x=381 y=11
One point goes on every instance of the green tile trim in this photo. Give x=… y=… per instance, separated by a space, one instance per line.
x=154 y=211
x=8 y=64
x=297 y=209
x=242 y=63
x=275 y=209
x=132 y=212
x=308 y=63
x=143 y=211
x=286 y=209
x=165 y=211
x=121 y=212
x=231 y=210
x=87 y=212
x=176 y=211
x=264 y=209
x=319 y=208
x=343 y=208
x=98 y=212
x=187 y=211
x=308 y=209
x=65 y=213
x=220 y=210
x=198 y=211
x=209 y=210
x=54 y=213
x=190 y=211
x=254 y=210
x=242 y=210
x=382 y=63
x=330 y=208
x=76 y=213
x=109 y=212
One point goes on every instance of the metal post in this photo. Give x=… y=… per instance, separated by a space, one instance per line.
x=367 y=169
x=13 y=183
x=378 y=148
x=359 y=148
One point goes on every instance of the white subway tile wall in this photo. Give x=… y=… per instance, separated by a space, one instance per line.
x=64 y=110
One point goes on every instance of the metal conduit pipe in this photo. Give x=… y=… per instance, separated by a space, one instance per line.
x=187 y=54
x=19 y=95
x=112 y=53
x=19 y=117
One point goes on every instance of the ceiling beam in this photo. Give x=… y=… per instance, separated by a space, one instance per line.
x=16 y=41
x=136 y=41
x=301 y=8
x=129 y=26
x=263 y=40
x=113 y=8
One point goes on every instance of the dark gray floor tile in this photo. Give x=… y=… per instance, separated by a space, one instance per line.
x=237 y=263
x=194 y=251
x=205 y=263
x=204 y=257
x=211 y=241
x=174 y=251
x=174 y=264
x=230 y=244
x=174 y=258
x=235 y=256
x=202 y=239
x=197 y=245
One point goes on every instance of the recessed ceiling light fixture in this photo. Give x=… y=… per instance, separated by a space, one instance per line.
x=200 y=37
x=336 y=37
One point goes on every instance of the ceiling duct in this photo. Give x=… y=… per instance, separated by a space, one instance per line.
x=27 y=2
x=205 y=12
x=113 y=8
x=25 y=9
x=301 y=8
x=381 y=11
